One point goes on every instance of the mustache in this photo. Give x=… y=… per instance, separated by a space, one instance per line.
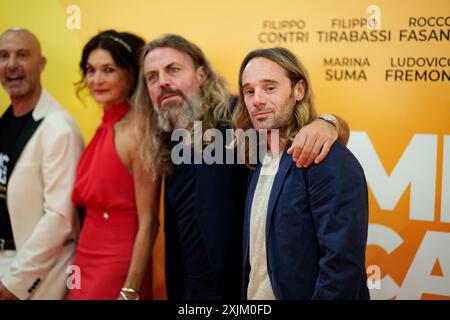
x=253 y=113
x=168 y=90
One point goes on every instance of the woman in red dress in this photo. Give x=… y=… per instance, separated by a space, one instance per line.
x=120 y=196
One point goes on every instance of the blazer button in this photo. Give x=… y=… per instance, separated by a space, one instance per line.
x=106 y=215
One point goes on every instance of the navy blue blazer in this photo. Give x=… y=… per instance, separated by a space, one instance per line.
x=316 y=229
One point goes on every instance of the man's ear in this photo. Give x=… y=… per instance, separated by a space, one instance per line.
x=42 y=63
x=201 y=74
x=299 y=90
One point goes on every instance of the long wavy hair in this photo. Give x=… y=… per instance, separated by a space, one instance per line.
x=213 y=108
x=304 y=110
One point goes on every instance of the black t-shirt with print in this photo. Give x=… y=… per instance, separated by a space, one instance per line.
x=10 y=129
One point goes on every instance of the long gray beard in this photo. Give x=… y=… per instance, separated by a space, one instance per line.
x=172 y=117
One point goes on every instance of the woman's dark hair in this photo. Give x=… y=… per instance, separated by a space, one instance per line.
x=125 y=49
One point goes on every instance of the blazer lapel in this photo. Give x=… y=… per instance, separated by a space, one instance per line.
x=24 y=137
x=254 y=176
x=283 y=168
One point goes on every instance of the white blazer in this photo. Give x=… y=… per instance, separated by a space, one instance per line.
x=43 y=219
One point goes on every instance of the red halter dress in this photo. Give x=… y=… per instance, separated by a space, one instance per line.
x=105 y=188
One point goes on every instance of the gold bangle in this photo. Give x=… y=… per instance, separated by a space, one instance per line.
x=129 y=290
x=123 y=295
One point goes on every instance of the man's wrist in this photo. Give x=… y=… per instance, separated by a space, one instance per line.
x=5 y=293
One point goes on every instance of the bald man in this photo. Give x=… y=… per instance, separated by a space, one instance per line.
x=40 y=145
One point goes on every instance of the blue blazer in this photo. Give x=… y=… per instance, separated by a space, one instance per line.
x=316 y=229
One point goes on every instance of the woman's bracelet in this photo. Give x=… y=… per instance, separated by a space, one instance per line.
x=123 y=292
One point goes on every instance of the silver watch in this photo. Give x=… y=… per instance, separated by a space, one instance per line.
x=329 y=118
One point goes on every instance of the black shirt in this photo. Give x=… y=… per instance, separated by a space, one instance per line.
x=198 y=281
x=204 y=209
x=10 y=129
